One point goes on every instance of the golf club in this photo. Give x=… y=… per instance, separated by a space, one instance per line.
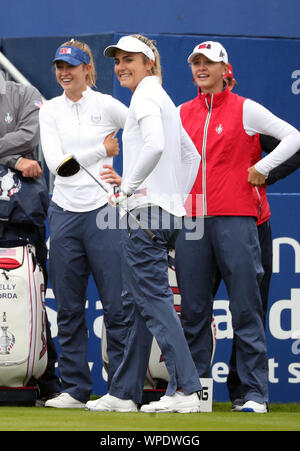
x=70 y=166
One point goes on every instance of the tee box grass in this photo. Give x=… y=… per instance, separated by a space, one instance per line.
x=282 y=417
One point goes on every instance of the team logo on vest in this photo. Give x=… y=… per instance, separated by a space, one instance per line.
x=96 y=119
x=8 y=118
x=219 y=129
x=9 y=185
x=38 y=103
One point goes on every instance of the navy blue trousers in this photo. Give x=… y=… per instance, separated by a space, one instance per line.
x=149 y=303
x=235 y=388
x=79 y=248
x=230 y=246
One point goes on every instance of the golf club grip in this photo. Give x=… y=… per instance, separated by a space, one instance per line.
x=150 y=234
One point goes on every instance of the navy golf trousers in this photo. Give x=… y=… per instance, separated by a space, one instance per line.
x=234 y=385
x=149 y=303
x=77 y=249
x=229 y=245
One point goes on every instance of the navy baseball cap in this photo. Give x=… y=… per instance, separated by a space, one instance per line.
x=72 y=55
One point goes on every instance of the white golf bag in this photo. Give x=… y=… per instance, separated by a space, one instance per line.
x=23 y=347
x=157 y=376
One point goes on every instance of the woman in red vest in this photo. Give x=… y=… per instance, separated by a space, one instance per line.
x=223 y=126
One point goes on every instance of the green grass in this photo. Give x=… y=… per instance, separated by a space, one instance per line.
x=282 y=417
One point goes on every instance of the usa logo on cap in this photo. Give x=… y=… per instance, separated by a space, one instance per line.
x=65 y=51
x=204 y=46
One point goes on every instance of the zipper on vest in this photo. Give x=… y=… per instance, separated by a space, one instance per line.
x=209 y=106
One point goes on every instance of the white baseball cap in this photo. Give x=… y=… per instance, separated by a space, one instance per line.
x=129 y=44
x=212 y=50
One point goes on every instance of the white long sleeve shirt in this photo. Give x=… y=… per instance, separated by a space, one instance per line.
x=160 y=162
x=257 y=119
x=79 y=129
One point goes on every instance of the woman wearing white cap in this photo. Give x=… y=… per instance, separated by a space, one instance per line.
x=81 y=122
x=160 y=165
x=223 y=126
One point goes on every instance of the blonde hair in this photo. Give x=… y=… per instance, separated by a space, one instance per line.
x=156 y=69
x=91 y=76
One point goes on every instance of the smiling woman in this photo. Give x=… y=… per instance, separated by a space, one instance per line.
x=72 y=79
x=75 y=68
x=208 y=74
x=130 y=69
x=130 y=53
x=160 y=164
x=81 y=122
x=223 y=126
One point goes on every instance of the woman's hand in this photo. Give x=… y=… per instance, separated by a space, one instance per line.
x=109 y=175
x=255 y=178
x=111 y=145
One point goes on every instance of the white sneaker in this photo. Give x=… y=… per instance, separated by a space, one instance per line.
x=179 y=402
x=64 y=401
x=237 y=405
x=109 y=403
x=252 y=406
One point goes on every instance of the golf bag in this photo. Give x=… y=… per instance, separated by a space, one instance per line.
x=23 y=347
x=157 y=376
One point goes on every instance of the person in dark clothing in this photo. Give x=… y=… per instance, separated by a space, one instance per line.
x=19 y=137
x=268 y=143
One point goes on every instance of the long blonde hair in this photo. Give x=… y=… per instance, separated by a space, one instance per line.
x=91 y=76
x=156 y=69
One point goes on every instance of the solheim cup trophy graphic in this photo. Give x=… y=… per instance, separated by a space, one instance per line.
x=7 y=183
x=6 y=339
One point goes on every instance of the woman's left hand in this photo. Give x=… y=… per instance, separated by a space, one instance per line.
x=109 y=175
x=255 y=178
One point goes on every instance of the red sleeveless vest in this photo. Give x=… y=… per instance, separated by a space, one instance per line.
x=215 y=124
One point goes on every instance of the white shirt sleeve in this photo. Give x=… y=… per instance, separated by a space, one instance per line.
x=50 y=141
x=151 y=128
x=190 y=162
x=146 y=107
x=257 y=119
x=52 y=147
x=91 y=156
